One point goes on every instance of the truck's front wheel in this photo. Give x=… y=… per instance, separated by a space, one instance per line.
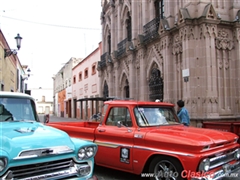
x=165 y=168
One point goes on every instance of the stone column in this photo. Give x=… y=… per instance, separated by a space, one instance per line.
x=132 y=77
x=144 y=12
x=113 y=25
x=167 y=71
x=143 y=76
x=110 y=80
x=116 y=84
x=103 y=22
x=237 y=59
x=152 y=10
x=135 y=20
x=119 y=27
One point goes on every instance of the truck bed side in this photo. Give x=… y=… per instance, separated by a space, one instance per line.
x=84 y=129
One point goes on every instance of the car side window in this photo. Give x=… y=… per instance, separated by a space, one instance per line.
x=119 y=114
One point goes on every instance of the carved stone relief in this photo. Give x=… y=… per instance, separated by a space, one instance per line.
x=236 y=34
x=223 y=42
x=177 y=45
x=125 y=64
x=208 y=30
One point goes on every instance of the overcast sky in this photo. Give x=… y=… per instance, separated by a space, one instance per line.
x=53 y=31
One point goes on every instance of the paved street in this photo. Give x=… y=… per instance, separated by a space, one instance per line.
x=106 y=173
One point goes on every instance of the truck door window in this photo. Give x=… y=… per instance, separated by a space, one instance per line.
x=154 y=116
x=119 y=114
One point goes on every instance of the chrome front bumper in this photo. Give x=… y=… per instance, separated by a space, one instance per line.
x=227 y=170
x=78 y=171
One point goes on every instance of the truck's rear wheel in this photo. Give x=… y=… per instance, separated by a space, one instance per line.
x=165 y=168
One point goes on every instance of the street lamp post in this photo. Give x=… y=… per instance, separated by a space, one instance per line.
x=9 y=52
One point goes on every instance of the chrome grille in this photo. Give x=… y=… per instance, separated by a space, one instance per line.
x=219 y=160
x=31 y=170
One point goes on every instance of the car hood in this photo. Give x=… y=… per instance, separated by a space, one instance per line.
x=20 y=136
x=189 y=136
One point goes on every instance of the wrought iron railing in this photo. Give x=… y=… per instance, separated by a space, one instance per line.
x=151 y=30
x=121 y=48
x=102 y=63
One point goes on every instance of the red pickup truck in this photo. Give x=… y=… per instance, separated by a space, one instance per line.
x=146 y=138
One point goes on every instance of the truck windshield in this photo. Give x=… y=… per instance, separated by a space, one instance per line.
x=17 y=109
x=155 y=116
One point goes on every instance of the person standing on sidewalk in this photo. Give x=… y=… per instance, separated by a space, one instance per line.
x=182 y=113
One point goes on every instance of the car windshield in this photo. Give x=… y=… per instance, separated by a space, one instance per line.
x=155 y=116
x=17 y=109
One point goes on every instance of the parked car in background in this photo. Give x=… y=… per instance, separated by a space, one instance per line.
x=227 y=126
x=30 y=150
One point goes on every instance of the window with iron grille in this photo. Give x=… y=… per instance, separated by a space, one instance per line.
x=105 y=90
x=126 y=89
x=109 y=43
x=159 y=8
x=129 y=28
x=155 y=85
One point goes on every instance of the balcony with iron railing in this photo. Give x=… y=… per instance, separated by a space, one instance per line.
x=151 y=30
x=103 y=62
x=121 y=48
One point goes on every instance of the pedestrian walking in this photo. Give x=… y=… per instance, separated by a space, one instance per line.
x=182 y=113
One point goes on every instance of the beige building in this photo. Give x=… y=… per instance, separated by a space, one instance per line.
x=170 y=50
x=12 y=73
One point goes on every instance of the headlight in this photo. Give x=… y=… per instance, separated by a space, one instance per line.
x=86 y=152
x=204 y=165
x=237 y=154
x=3 y=164
x=81 y=153
x=90 y=151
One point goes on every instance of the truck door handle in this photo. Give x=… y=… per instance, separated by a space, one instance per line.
x=101 y=130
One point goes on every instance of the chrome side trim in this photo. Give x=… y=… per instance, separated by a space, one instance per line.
x=33 y=153
x=111 y=145
x=114 y=145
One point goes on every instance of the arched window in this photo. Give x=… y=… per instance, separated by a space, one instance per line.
x=86 y=73
x=129 y=28
x=105 y=90
x=74 y=79
x=109 y=43
x=80 y=76
x=159 y=9
x=93 y=69
x=155 y=85
x=126 y=89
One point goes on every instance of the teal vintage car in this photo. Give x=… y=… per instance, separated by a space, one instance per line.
x=30 y=150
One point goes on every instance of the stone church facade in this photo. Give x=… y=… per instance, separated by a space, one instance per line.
x=171 y=50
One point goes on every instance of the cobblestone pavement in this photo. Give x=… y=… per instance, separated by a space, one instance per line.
x=109 y=174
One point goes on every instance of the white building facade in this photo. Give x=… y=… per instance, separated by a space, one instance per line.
x=86 y=85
